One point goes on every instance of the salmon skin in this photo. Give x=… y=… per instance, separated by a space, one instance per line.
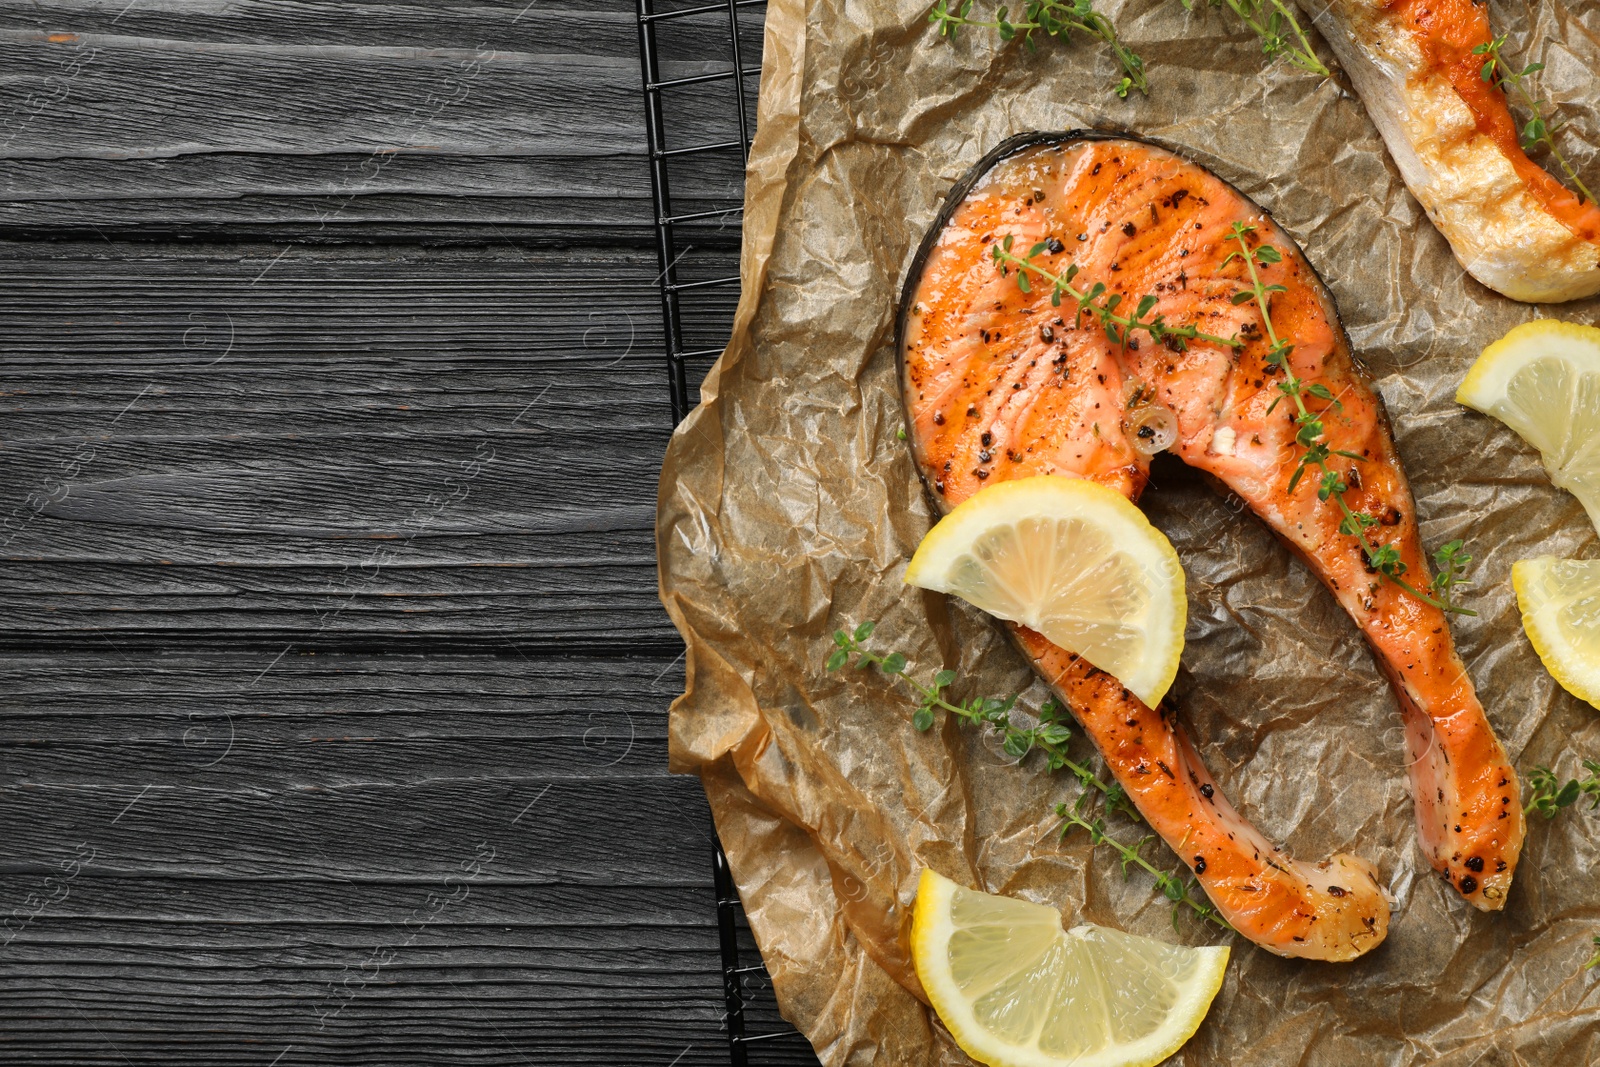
x=1510 y=224
x=998 y=383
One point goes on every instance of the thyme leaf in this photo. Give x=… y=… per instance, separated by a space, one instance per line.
x=1273 y=21
x=1537 y=131
x=1548 y=794
x=1095 y=300
x=1450 y=563
x=1174 y=887
x=1052 y=18
x=1050 y=737
x=1279 y=31
x=1310 y=433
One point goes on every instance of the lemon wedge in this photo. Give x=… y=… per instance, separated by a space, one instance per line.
x=1016 y=990
x=1560 y=603
x=1073 y=560
x=1543 y=380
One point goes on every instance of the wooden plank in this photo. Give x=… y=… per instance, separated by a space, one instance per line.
x=468 y=94
x=170 y=721
x=600 y=29
x=363 y=829
x=356 y=196
x=329 y=766
x=386 y=123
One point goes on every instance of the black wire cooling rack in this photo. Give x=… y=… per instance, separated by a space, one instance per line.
x=701 y=63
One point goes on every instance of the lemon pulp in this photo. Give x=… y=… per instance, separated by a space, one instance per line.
x=1560 y=604
x=1016 y=990
x=1542 y=379
x=1073 y=560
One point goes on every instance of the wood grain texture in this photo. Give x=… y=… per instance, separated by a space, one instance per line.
x=332 y=674
x=356 y=858
x=334 y=444
x=348 y=122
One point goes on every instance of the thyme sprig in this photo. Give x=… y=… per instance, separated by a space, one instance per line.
x=1053 y=18
x=1548 y=794
x=1450 y=561
x=1280 y=31
x=1273 y=21
x=1310 y=434
x=1050 y=737
x=1118 y=328
x=1174 y=887
x=1537 y=131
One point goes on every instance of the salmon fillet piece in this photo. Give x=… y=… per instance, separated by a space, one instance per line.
x=1000 y=384
x=1510 y=224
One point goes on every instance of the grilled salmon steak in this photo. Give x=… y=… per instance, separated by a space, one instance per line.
x=1004 y=383
x=1512 y=226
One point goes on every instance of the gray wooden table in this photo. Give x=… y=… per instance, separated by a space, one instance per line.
x=332 y=675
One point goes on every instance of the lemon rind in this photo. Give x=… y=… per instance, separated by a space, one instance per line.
x=1058 y=496
x=1486 y=382
x=1538 y=622
x=931 y=931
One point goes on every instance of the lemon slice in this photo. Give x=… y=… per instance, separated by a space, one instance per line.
x=1016 y=990
x=1560 y=602
x=1073 y=560
x=1543 y=380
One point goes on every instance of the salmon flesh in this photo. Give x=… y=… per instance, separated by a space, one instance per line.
x=1000 y=383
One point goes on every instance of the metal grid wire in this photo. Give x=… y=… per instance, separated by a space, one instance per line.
x=701 y=63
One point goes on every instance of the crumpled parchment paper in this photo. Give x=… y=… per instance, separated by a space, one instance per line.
x=789 y=507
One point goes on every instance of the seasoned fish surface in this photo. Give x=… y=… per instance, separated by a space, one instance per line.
x=1000 y=384
x=1512 y=226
